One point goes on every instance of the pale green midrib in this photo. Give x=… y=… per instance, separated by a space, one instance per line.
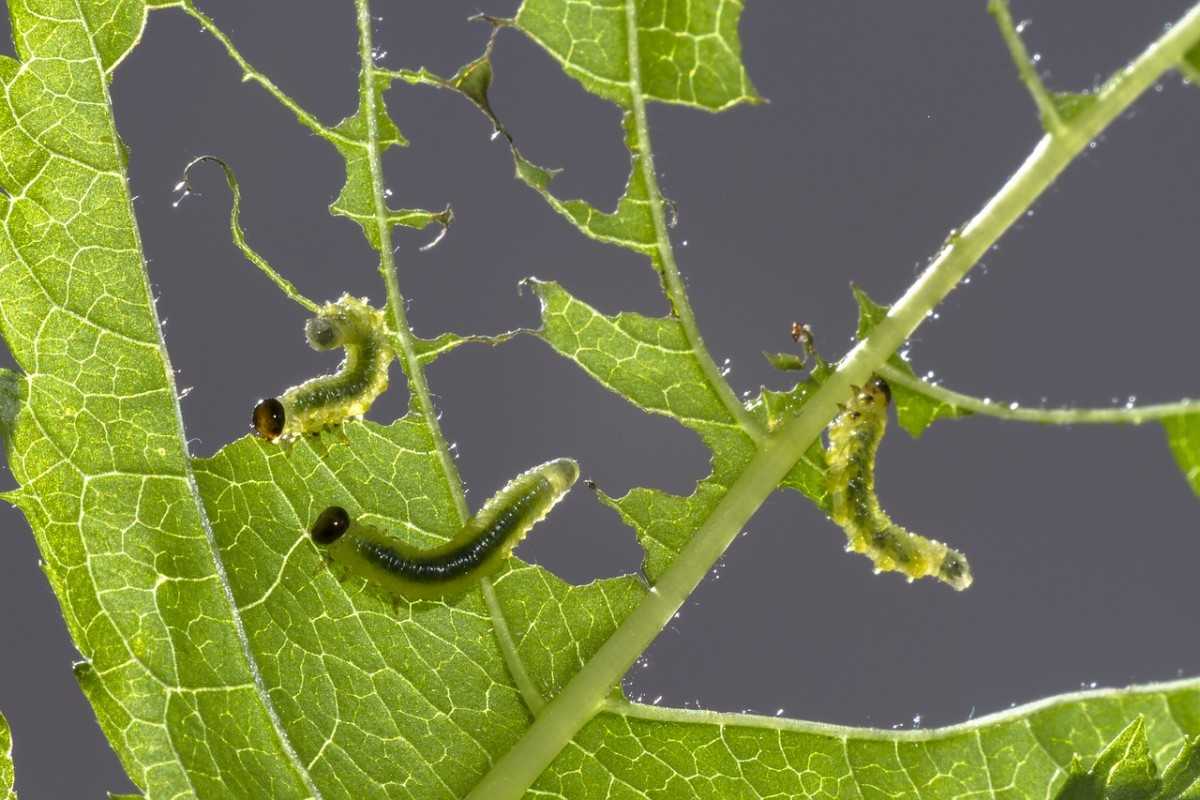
x=508 y=649
x=666 y=252
x=418 y=386
x=1137 y=415
x=584 y=694
x=402 y=335
x=189 y=475
x=688 y=716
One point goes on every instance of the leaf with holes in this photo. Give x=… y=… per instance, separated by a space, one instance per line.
x=225 y=658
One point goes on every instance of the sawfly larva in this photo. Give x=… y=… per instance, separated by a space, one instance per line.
x=328 y=400
x=478 y=549
x=853 y=443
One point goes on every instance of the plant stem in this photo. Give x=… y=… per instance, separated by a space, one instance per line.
x=421 y=401
x=1051 y=121
x=1129 y=415
x=586 y=692
x=668 y=269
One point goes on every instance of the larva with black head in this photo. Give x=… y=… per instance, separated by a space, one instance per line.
x=328 y=400
x=854 y=438
x=479 y=549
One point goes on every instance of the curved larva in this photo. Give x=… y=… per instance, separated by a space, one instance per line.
x=853 y=442
x=479 y=549
x=328 y=400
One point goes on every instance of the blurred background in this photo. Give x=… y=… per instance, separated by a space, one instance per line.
x=888 y=124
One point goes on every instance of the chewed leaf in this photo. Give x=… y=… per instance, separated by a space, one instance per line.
x=649 y=362
x=681 y=53
x=914 y=411
x=429 y=350
x=1183 y=437
x=6 y=762
x=427 y=683
x=630 y=225
x=686 y=53
x=356 y=200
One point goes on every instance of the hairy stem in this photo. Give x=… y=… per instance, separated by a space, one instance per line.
x=672 y=281
x=1128 y=415
x=585 y=694
x=421 y=400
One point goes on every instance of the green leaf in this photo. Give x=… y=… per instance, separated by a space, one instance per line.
x=687 y=53
x=1024 y=753
x=1181 y=778
x=97 y=445
x=649 y=362
x=427 y=685
x=1124 y=770
x=6 y=762
x=914 y=411
x=224 y=658
x=10 y=401
x=1183 y=437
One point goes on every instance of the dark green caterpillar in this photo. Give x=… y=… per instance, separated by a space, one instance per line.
x=479 y=549
x=328 y=400
x=853 y=442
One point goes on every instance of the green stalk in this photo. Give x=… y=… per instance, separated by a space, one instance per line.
x=584 y=696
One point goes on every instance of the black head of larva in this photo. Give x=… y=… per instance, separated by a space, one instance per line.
x=322 y=334
x=268 y=418
x=329 y=527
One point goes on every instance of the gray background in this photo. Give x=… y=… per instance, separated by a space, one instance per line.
x=889 y=123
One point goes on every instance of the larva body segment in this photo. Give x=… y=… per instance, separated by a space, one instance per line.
x=478 y=549
x=854 y=438
x=328 y=400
